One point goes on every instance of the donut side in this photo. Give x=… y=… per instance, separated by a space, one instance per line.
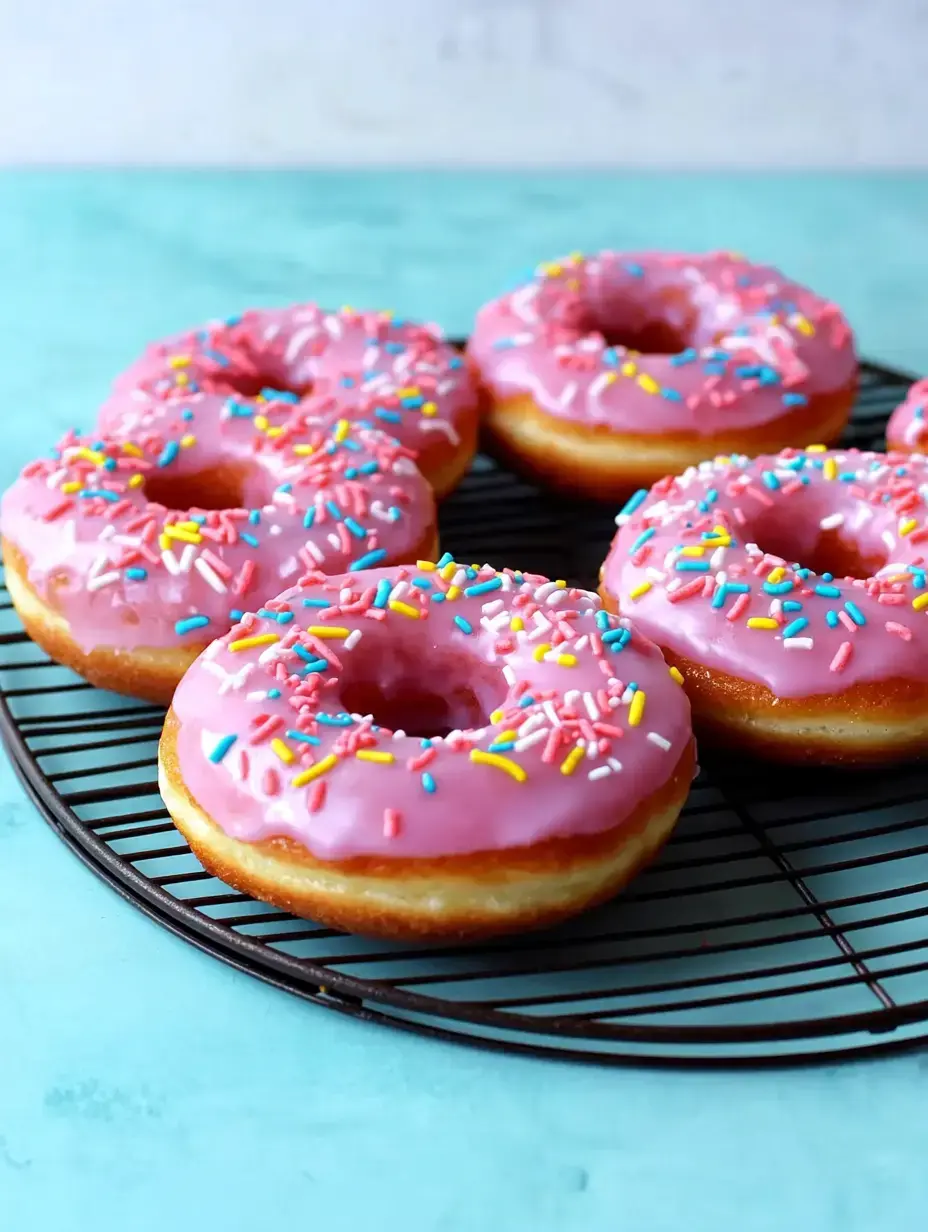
x=454 y=898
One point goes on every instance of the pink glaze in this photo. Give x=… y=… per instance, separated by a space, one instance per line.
x=907 y=428
x=128 y=572
x=758 y=345
x=552 y=704
x=686 y=566
x=397 y=376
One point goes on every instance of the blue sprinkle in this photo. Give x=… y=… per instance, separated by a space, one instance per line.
x=483 y=588
x=347 y=382
x=692 y=566
x=236 y=614
x=273 y=693
x=778 y=588
x=633 y=268
x=87 y=493
x=795 y=400
x=355 y=528
x=302 y=737
x=422 y=583
x=610 y=357
x=249 y=539
x=616 y=635
x=109 y=464
x=335 y=720
x=279 y=395
x=137 y=575
x=792 y=605
x=222 y=747
x=186 y=415
x=633 y=503
x=770 y=480
x=316 y=603
x=854 y=612
x=685 y=357
x=428 y=782
x=831 y=619
x=199 y=518
x=438 y=597
x=316 y=665
x=254 y=517
x=828 y=592
x=501 y=746
x=602 y=620
x=369 y=560
x=446 y=559
x=334 y=510
x=383 y=593
x=369 y=468
x=642 y=540
x=464 y=625
x=169 y=453
x=388 y=416
x=310 y=517
x=191 y=623
x=795 y=627
x=671 y=395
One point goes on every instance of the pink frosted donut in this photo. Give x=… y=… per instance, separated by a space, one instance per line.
x=824 y=660
x=126 y=557
x=397 y=376
x=907 y=430
x=439 y=750
x=606 y=372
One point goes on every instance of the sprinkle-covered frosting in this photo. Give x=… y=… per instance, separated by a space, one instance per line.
x=394 y=375
x=556 y=717
x=125 y=570
x=757 y=346
x=908 y=425
x=689 y=564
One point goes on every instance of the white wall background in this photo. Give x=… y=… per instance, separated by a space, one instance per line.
x=514 y=82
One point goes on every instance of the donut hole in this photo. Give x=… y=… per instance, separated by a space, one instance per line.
x=802 y=541
x=652 y=322
x=217 y=487
x=422 y=695
x=249 y=384
x=654 y=337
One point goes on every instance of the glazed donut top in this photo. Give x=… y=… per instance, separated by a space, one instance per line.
x=755 y=345
x=562 y=718
x=686 y=564
x=404 y=378
x=907 y=424
x=127 y=570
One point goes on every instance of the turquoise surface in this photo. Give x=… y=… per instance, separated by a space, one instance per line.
x=144 y=1085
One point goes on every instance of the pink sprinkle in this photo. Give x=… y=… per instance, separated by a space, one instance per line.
x=554 y=739
x=245 y=578
x=903 y=631
x=847 y=622
x=270 y=782
x=420 y=762
x=738 y=608
x=685 y=592
x=57 y=510
x=268 y=725
x=316 y=797
x=839 y=662
x=391 y=823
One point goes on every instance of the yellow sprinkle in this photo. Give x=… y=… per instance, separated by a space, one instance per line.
x=136 y=480
x=164 y=542
x=187 y=524
x=507 y=735
x=762 y=622
x=454 y=592
x=908 y=526
x=90 y=455
x=408 y=391
x=429 y=409
x=648 y=384
x=816 y=448
x=178 y=361
x=511 y=767
x=131 y=449
x=717 y=542
x=261 y=422
x=641 y=589
x=676 y=675
x=496 y=716
x=567 y=660
x=188 y=440
x=517 y=624
x=777 y=574
x=272 y=432
x=259 y=639
x=331 y=631
x=552 y=269
x=181 y=533
x=636 y=709
x=921 y=601
x=694 y=550
x=900 y=577
x=73 y=485
x=182 y=378
x=313 y=772
x=375 y=755
x=285 y=753
x=404 y=609
x=561 y=584
x=804 y=325
x=341 y=430
x=573 y=758
x=427 y=566
x=303 y=451
x=830 y=469
x=628 y=368
x=448 y=571
x=576 y=257
x=540 y=651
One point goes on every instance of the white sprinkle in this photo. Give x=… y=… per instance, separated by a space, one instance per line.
x=591 y=750
x=169 y=561
x=591 y=708
x=600 y=772
x=572 y=696
x=535 y=720
x=889 y=540
x=615 y=765
x=797 y=643
x=258 y=695
x=509 y=675
x=398 y=591
x=314 y=551
x=489 y=609
x=103 y=579
x=628 y=695
x=582 y=642
x=297 y=342
x=527 y=741
x=334 y=541
x=209 y=575
x=832 y=522
x=186 y=557
x=659 y=740
x=352 y=639
x=548 y=708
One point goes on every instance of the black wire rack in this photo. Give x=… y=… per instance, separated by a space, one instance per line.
x=787 y=920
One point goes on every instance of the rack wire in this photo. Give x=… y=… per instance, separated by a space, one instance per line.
x=786 y=921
